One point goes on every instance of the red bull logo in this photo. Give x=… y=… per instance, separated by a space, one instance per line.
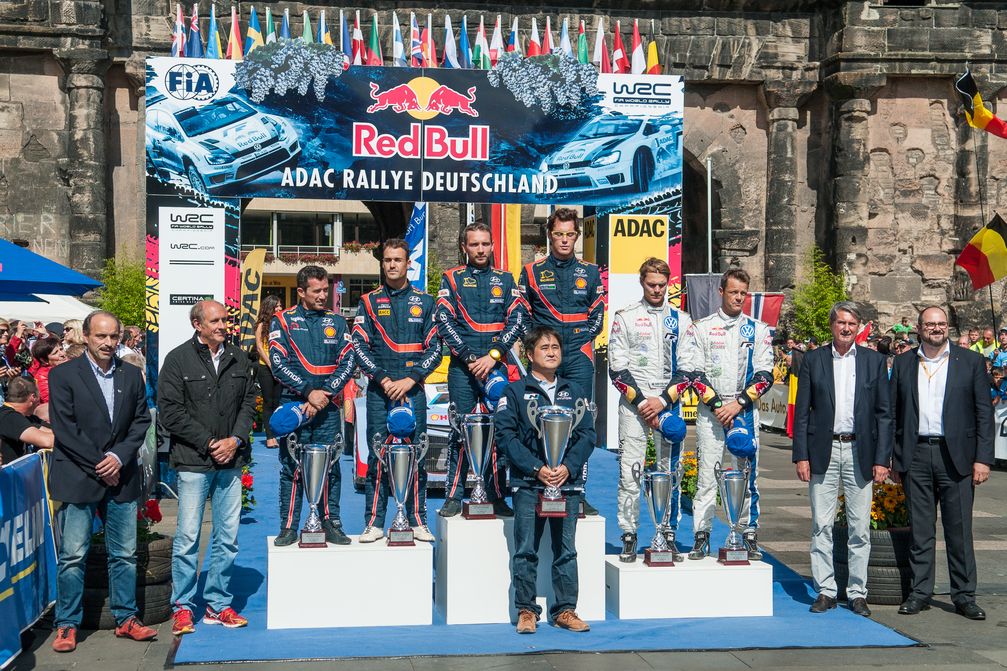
x=423 y=98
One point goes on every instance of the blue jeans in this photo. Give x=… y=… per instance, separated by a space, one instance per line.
x=465 y=392
x=77 y=520
x=321 y=430
x=376 y=487
x=224 y=490
x=528 y=528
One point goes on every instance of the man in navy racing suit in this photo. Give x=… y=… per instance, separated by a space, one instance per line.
x=396 y=345
x=312 y=357
x=480 y=314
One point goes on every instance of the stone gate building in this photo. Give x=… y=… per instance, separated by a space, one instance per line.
x=825 y=121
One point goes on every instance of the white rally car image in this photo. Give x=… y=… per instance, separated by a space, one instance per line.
x=219 y=144
x=617 y=152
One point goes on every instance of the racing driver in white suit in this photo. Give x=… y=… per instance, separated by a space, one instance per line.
x=727 y=358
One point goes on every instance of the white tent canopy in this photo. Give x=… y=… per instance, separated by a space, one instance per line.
x=50 y=308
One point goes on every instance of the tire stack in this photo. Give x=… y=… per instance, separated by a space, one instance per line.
x=889 y=577
x=153 y=585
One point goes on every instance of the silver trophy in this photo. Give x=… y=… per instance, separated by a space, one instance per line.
x=554 y=424
x=402 y=460
x=476 y=430
x=314 y=460
x=733 y=485
x=658 y=489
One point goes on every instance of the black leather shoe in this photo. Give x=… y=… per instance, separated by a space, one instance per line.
x=971 y=610
x=450 y=508
x=589 y=509
x=859 y=606
x=701 y=546
x=334 y=533
x=822 y=604
x=285 y=538
x=913 y=605
x=501 y=509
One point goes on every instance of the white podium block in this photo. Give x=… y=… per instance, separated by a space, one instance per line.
x=473 y=570
x=356 y=585
x=691 y=588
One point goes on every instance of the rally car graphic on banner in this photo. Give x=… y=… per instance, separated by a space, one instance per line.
x=412 y=134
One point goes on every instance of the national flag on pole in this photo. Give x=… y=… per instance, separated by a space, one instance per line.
x=359 y=55
x=234 y=37
x=863 y=334
x=178 y=35
x=464 y=50
x=514 y=40
x=213 y=48
x=985 y=257
x=765 y=307
x=374 y=55
x=194 y=42
x=253 y=36
x=450 y=49
x=415 y=43
x=639 y=59
x=270 y=36
x=429 y=47
x=620 y=62
x=564 y=38
x=496 y=44
x=653 y=62
x=582 y=44
x=345 y=43
x=976 y=113
x=505 y=229
x=481 y=55
x=306 y=36
x=548 y=43
x=601 y=59
x=416 y=239
x=324 y=36
x=534 y=44
x=398 y=47
x=285 y=25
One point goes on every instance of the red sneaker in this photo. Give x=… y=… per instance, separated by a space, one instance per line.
x=66 y=640
x=182 y=622
x=134 y=629
x=227 y=617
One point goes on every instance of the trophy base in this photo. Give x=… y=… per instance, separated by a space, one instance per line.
x=733 y=557
x=659 y=558
x=478 y=511
x=551 y=507
x=403 y=538
x=312 y=539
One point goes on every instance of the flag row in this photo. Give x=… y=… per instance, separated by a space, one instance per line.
x=416 y=46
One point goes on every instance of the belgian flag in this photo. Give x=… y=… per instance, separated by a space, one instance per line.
x=976 y=112
x=985 y=257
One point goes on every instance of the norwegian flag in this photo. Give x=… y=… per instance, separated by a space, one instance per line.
x=765 y=307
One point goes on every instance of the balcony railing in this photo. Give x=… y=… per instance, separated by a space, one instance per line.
x=295 y=250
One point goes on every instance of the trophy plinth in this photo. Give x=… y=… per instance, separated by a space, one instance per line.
x=478 y=511
x=732 y=557
x=658 y=557
x=312 y=539
x=401 y=538
x=550 y=507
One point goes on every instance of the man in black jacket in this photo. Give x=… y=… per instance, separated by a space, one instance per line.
x=99 y=416
x=842 y=433
x=206 y=395
x=943 y=449
x=519 y=440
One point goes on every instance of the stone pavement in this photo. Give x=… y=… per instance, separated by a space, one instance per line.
x=948 y=641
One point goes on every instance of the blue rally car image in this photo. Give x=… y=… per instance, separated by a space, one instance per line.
x=221 y=143
x=617 y=152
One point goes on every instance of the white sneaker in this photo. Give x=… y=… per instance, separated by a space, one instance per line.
x=422 y=533
x=371 y=534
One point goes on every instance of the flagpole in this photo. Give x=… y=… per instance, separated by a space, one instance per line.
x=982 y=211
x=709 y=214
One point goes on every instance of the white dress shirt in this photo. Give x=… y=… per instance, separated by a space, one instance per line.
x=933 y=377
x=548 y=387
x=844 y=375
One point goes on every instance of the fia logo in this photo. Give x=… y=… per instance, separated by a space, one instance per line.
x=191 y=82
x=747 y=331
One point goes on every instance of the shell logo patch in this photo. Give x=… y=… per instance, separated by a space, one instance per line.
x=415 y=310
x=580 y=283
x=497 y=292
x=330 y=332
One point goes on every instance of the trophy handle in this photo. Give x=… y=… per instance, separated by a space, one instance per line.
x=718 y=471
x=580 y=409
x=637 y=472
x=454 y=418
x=376 y=445
x=292 y=446
x=532 y=410
x=422 y=447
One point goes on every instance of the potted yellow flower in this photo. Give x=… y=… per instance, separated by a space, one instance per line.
x=690 y=471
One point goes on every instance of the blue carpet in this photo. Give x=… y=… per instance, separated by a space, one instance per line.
x=791 y=626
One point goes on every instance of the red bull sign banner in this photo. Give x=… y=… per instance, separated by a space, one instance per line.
x=533 y=130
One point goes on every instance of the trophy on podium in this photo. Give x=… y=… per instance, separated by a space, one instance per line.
x=733 y=485
x=554 y=425
x=476 y=430
x=314 y=461
x=401 y=460
x=658 y=488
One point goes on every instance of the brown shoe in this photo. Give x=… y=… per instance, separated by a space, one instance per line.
x=134 y=629
x=527 y=622
x=66 y=640
x=569 y=620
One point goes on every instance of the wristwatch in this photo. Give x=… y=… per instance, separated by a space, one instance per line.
x=471 y=358
x=496 y=354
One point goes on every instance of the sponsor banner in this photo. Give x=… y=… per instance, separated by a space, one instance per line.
x=251 y=289
x=410 y=134
x=27 y=552
x=1000 y=435
x=416 y=238
x=773 y=407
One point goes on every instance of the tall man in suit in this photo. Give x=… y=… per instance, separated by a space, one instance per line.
x=943 y=449
x=842 y=433
x=99 y=417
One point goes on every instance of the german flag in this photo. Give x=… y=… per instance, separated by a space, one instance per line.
x=985 y=257
x=976 y=112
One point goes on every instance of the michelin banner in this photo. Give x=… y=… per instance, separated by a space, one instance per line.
x=27 y=552
x=290 y=122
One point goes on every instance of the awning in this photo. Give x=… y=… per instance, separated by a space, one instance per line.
x=25 y=272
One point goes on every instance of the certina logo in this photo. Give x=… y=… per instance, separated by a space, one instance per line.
x=642 y=93
x=188 y=299
x=191 y=82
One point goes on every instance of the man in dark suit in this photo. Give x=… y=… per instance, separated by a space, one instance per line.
x=99 y=416
x=842 y=433
x=943 y=449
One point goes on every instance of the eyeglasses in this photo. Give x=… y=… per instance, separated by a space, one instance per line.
x=4 y=331
x=931 y=326
x=67 y=329
x=569 y=235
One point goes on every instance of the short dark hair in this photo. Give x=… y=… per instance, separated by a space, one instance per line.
x=536 y=334
x=310 y=273
x=476 y=226
x=919 y=318
x=735 y=274
x=20 y=388
x=43 y=347
x=86 y=326
x=562 y=214
x=394 y=243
